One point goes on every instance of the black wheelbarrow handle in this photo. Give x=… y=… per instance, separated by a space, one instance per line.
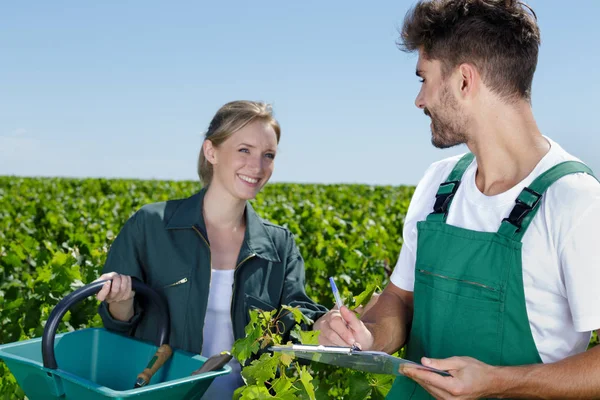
x=82 y=293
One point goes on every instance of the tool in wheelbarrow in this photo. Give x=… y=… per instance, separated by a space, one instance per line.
x=161 y=356
x=76 y=365
x=214 y=363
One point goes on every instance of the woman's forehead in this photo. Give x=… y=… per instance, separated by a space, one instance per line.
x=255 y=134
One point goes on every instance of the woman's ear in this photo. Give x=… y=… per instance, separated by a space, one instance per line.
x=210 y=153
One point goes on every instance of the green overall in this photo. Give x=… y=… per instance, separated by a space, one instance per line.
x=468 y=296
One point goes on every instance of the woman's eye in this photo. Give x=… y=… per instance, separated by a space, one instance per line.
x=270 y=155
x=244 y=150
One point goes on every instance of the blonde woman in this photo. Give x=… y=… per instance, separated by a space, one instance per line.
x=210 y=255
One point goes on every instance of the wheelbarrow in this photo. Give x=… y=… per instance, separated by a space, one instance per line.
x=95 y=363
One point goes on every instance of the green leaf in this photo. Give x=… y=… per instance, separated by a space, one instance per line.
x=359 y=387
x=244 y=348
x=261 y=370
x=305 y=337
x=13 y=304
x=298 y=315
x=305 y=379
x=255 y=393
x=382 y=384
x=283 y=386
x=286 y=359
x=363 y=298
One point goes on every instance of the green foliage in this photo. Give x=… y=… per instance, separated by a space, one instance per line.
x=594 y=341
x=279 y=376
x=55 y=234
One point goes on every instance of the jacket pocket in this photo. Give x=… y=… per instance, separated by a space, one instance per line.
x=176 y=292
x=176 y=283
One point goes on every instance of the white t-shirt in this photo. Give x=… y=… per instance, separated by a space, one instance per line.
x=561 y=261
x=218 y=333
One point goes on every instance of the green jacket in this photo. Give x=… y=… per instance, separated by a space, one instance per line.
x=165 y=246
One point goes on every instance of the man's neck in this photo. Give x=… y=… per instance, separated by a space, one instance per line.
x=507 y=144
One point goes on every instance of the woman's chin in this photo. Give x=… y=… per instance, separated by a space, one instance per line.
x=247 y=193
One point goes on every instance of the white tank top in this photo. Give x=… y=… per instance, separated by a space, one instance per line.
x=218 y=333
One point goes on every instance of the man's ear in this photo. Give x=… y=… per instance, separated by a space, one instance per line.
x=469 y=80
x=210 y=152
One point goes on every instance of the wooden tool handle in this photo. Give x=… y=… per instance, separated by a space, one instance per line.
x=163 y=353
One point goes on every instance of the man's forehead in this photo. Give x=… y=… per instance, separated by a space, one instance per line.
x=426 y=64
x=421 y=67
x=422 y=59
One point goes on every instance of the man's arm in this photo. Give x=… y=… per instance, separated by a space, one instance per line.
x=390 y=318
x=384 y=327
x=575 y=377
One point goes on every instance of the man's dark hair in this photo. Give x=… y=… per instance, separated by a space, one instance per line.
x=500 y=37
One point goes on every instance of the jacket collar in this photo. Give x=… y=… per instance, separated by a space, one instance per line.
x=256 y=237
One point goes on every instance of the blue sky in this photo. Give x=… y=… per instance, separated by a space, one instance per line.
x=127 y=88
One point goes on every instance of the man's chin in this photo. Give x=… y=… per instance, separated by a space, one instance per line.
x=442 y=143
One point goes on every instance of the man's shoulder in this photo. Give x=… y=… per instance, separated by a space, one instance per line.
x=424 y=195
x=578 y=190
x=574 y=193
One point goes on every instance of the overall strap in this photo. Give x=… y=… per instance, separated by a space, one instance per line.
x=528 y=201
x=448 y=189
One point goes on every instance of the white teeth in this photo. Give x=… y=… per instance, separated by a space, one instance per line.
x=248 y=179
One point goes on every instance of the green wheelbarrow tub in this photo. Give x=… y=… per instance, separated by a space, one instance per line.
x=98 y=364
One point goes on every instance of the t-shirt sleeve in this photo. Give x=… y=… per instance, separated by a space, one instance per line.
x=420 y=206
x=580 y=263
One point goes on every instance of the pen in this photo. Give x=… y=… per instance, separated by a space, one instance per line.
x=339 y=303
x=336 y=294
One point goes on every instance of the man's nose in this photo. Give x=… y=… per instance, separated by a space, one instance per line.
x=419 y=101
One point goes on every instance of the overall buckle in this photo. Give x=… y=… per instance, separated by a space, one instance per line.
x=521 y=209
x=442 y=201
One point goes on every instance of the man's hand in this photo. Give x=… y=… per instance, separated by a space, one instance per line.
x=343 y=328
x=383 y=325
x=471 y=379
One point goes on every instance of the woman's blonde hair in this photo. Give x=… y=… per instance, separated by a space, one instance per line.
x=229 y=119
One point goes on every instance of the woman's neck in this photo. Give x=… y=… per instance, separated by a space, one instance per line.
x=222 y=211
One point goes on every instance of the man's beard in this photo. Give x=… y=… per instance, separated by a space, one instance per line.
x=447 y=132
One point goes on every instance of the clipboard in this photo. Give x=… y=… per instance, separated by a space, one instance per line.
x=376 y=362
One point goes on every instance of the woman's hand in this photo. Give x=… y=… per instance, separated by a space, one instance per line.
x=118 y=295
